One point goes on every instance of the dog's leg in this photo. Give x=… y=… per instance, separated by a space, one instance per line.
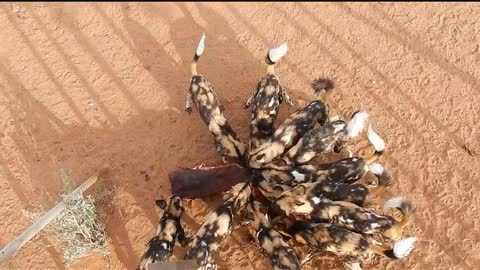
x=248 y=102
x=285 y=96
x=188 y=103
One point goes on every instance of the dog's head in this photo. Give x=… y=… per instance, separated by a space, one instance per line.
x=174 y=208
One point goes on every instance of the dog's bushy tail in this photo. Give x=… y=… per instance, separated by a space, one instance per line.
x=406 y=208
x=198 y=53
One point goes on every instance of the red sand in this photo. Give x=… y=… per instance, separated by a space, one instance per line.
x=83 y=85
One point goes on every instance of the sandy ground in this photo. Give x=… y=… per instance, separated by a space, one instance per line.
x=83 y=85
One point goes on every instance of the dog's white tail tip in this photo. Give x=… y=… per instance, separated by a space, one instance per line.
x=375 y=139
x=395 y=202
x=376 y=168
x=402 y=248
x=201 y=46
x=357 y=124
x=276 y=54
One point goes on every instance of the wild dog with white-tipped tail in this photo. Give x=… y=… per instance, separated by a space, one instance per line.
x=345 y=171
x=201 y=93
x=325 y=139
x=349 y=215
x=292 y=129
x=342 y=242
x=218 y=225
x=169 y=229
x=266 y=100
x=279 y=253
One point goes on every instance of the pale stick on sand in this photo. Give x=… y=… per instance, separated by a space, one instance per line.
x=43 y=221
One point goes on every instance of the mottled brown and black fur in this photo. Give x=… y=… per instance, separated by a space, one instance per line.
x=294 y=127
x=342 y=242
x=317 y=141
x=345 y=172
x=285 y=171
x=279 y=253
x=169 y=229
x=349 y=215
x=265 y=103
x=218 y=225
x=289 y=133
x=201 y=93
x=332 y=190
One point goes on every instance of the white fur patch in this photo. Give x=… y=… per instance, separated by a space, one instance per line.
x=395 y=202
x=377 y=142
x=201 y=46
x=355 y=266
x=376 y=168
x=375 y=225
x=298 y=176
x=272 y=101
x=276 y=54
x=316 y=200
x=338 y=128
x=357 y=124
x=403 y=247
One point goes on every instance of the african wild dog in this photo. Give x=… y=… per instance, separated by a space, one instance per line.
x=266 y=100
x=293 y=128
x=349 y=215
x=218 y=225
x=340 y=241
x=325 y=139
x=279 y=253
x=331 y=180
x=169 y=229
x=201 y=93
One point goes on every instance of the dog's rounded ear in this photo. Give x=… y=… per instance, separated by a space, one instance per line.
x=300 y=190
x=161 y=203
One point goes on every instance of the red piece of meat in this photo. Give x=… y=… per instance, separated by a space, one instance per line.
x=206 y=181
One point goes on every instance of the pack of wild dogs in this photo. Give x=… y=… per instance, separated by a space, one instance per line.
x=273 y=184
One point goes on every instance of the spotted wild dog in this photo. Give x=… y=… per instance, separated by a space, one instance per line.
x=326 y=138
x=347 y=170
x=279 y=253
x=350 y=215
x=266 y=100
x=340 y=241
x=294 y=127
x=201 y=93
x=332 y=190
x=218 y=225
x=169 y=229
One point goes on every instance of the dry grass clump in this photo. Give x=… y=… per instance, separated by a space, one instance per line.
x=79 y=227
